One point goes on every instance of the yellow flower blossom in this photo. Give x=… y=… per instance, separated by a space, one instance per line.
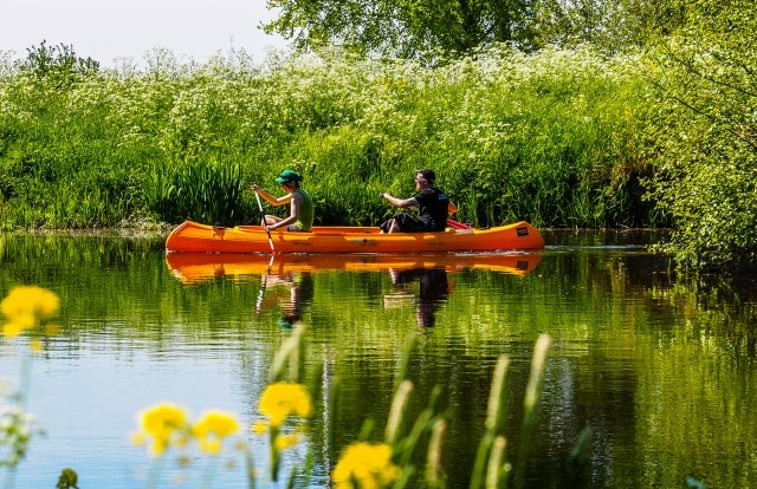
x=23 y=320
x=369 y=465
x=138 y=438
x=281 y=400
x=211 y=446
x=166 y=424
x=25 y=307
x=212 y=428
x=283 y=442
x=26 y=302
x=259 y=427
x=11 y=330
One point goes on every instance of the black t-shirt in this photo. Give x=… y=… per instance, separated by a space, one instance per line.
x=432 y=211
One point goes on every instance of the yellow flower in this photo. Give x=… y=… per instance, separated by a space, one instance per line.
x=29 y=301
x=283 y=442
x=212 y=428
x=216 y=423
x=25 y=307
x=23 y=319
x=138 y=438
x=370 y=465
x=11 y=330
x=259 y=428
x=280 y=400
x=166 y=423
x=211 y=446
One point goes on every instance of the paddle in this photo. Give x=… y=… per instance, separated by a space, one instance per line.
x=265 y=226
x=457 y=224
x=263 y=285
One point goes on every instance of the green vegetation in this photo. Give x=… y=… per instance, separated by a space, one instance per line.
x=571 y=136
x=513 y=136
x=413 y=28
x=704 y=129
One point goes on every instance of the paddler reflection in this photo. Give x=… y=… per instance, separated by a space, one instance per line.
x=433 y=290
x=292 y=291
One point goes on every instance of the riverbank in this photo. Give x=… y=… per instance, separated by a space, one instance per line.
x=561 y=138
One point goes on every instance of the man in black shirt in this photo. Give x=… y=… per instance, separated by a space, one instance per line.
x=432 y=205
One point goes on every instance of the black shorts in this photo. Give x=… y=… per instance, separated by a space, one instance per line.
x=407 y=224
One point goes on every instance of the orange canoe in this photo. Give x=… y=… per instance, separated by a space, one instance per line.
x=193 y=237
x=196 y=267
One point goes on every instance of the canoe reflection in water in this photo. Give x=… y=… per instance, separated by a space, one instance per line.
x=191 y=268
x=433 y=289
x=295 y=273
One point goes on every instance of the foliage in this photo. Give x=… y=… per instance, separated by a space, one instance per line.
x=560 y=137
x=17 y=428
x=424 y=28
x=58 y=63
x=68 y=479
x=545 y=137
x=613 y=26
x=204 y=192
x=705 y=134
x=404 y=28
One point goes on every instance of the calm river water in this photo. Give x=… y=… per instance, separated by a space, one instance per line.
x=664 y=371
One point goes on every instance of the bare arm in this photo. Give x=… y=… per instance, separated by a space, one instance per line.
x=294 y=212
x=270 y=198
x=411 y=202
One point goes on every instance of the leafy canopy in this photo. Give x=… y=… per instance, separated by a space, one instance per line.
x=412 y=28
x=706 y=133
x=404 y=27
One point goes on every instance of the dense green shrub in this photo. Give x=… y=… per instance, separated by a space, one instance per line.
x=704 y=134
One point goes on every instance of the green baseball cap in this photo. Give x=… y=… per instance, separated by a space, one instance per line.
x=288 y=176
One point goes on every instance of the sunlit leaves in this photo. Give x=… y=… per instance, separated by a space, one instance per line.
x=705 y=115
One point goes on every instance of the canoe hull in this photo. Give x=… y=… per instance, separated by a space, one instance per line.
x=194 y=237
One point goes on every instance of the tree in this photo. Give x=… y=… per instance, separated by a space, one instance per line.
x=707 y=132
x=408 y=28
x=405 y=27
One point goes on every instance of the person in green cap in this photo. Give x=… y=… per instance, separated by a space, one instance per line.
x=301 y=211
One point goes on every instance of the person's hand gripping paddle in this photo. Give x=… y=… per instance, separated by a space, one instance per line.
x=263 y=222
